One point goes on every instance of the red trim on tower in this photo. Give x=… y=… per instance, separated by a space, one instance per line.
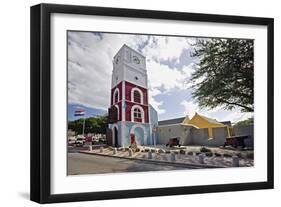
x=128 y=88
x=129 y=105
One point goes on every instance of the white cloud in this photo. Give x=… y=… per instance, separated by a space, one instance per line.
x=189 y=108
x=217 y=113
x=165 y=48
x=156 y=105
x=163 y=76
x=236 y=116
x=90 y=65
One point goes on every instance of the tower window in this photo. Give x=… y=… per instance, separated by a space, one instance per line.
x=137 y=97
x=137 y=115
x=116 y=95
x=136 y=78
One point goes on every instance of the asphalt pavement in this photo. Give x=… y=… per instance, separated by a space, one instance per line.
x=79 y=163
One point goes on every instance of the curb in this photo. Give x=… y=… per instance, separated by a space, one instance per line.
x=189 y=165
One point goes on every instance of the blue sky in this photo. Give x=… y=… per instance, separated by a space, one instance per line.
x=169 y=68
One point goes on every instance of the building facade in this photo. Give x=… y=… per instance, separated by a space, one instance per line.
x=199 y=130
x=130 y=112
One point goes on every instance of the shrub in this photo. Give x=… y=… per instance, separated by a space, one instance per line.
x=239 y=155
x=227 y=155
x=182 y=151
x=146 y=150
x=217 y=154
x=176 y=152
x=197 y=153
x=190 y=153
x=204 y=149
x=250 y=155
x=209 y=154
x=161 y=151
x=168 y=151
x=138 y=150
x=153 y=150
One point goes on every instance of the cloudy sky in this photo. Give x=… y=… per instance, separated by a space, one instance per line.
x=169 y=67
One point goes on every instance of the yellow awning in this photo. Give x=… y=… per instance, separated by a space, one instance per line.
x=202 y=122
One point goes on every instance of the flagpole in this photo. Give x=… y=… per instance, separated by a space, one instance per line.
x=83 y=126
x=81 y=112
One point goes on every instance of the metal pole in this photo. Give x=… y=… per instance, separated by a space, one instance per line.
x=83 y=127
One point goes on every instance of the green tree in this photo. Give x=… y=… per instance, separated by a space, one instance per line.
x=76 y=126
x=224 y=74
x=96 y=125
x=246 y=122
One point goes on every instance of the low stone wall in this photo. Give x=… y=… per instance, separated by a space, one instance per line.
x=220 y=135
x=248 y=130
x=171 y=131
x=193 y=136
x=187 y=137
x=200 y=137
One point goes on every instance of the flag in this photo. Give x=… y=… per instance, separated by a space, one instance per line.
x=79 y=112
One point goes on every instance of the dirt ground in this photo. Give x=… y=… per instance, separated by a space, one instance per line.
x=188 y=155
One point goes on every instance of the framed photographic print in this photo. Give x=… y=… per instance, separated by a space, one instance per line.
x=133 y=103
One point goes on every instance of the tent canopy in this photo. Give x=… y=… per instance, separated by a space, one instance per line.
x=200 y=122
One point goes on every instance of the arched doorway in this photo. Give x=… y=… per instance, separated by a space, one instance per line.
x=140 y=134
x=115 y=135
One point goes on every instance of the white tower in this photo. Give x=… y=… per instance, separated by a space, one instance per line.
x=129 y=97
x=129 y=65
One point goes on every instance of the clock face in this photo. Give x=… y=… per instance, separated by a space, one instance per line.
x=136 y=60
x=117 y=59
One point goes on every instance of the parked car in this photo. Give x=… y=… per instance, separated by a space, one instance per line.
x=80 y=141
x=71 y=140
x=102 y=140
x=95 y=141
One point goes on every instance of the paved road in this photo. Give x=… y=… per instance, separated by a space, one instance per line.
x=79 y=163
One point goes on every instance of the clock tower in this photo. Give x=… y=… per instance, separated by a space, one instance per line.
x=129 y=65
x=129 y=113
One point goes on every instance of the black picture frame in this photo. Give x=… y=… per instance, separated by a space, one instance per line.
x=41 y=98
